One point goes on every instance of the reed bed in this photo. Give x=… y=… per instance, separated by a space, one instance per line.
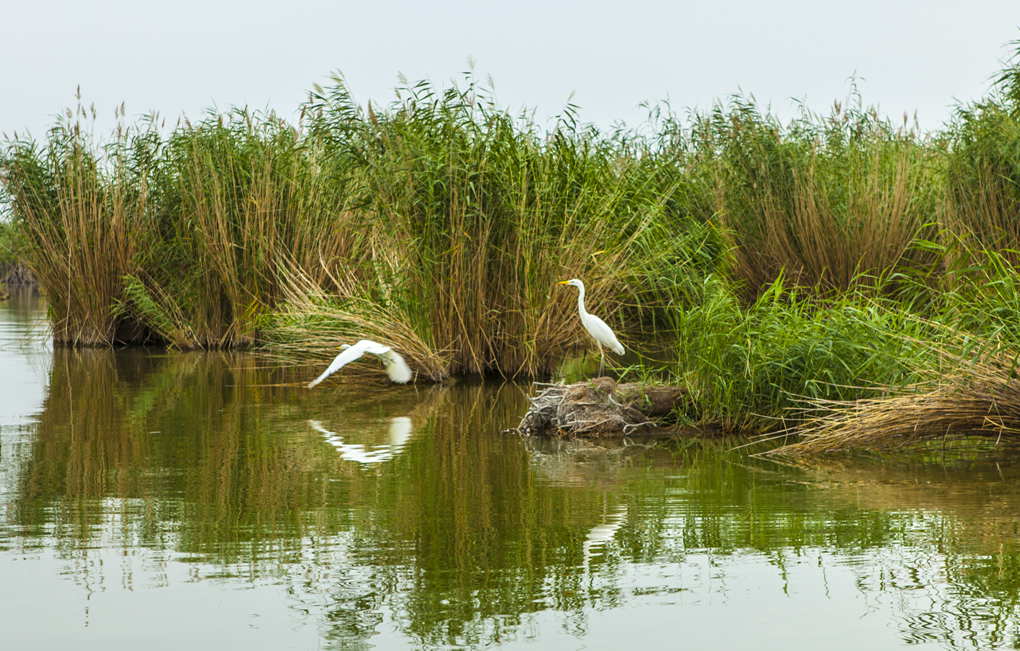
x=775 y=261
x=983 y=194
x=825 y=200
x=441 y=222
x=79 y=224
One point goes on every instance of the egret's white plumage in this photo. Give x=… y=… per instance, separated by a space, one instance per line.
x=396 y=368
x=595 y=326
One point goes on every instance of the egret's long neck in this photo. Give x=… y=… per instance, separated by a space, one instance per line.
x=580 y=300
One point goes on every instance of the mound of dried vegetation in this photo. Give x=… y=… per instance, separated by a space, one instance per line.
x=599 y=407
x=979 y=399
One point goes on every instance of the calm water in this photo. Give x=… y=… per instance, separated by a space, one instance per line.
x=202 y=501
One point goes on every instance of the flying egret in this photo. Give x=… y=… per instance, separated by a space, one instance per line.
x=396 y=367
x=596 y=327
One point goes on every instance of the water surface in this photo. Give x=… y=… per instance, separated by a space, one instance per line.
x=209 y=501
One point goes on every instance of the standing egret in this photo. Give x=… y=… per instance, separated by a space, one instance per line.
x=596 y=327
x=396 y=367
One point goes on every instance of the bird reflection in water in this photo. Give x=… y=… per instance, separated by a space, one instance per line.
x=599 y=535
x=399 y=434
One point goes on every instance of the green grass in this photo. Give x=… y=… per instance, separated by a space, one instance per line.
x=9 y=244
x=751 y=366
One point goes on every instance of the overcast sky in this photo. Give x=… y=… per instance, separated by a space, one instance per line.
x=183 y=56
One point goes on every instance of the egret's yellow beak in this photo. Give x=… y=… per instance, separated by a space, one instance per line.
x=563 y=282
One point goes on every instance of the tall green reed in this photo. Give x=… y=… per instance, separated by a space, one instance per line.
x=79 y=207
x=476 y=213
x=983 y=195
x=823 y=199
x=242 y=197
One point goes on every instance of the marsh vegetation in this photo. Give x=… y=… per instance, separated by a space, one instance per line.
x=762 y=265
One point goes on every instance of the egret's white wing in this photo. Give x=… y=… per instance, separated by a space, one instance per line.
x=396 y=368
x=345 y=357
x=602 y=333
x=373 y=347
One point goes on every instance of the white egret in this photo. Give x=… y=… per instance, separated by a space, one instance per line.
x=396 y=367
x=596 y=327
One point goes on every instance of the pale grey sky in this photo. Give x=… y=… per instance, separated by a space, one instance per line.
x=180 y=57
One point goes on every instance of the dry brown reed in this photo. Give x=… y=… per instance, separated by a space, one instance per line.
x=978 y=399
x=306 y=305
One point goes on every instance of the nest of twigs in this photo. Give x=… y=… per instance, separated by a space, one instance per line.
x=599 y=407
x=979 y=400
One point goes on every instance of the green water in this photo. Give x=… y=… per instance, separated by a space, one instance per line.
x=208 y=501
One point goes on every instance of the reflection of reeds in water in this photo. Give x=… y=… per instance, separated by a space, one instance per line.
x=462 y=531
x=978 y=502
x=81 y=450
x=189 y=429
x=222 y=444
x=487 y=536
x=965 y=515
x=210 y=455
